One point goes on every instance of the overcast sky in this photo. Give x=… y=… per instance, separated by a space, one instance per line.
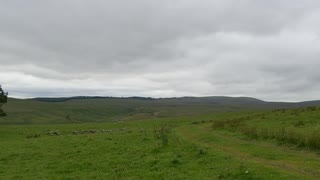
x=161 y=48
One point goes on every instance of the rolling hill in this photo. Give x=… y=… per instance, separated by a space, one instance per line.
x=106 y=109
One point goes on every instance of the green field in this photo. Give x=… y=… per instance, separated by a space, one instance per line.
x=145 y=139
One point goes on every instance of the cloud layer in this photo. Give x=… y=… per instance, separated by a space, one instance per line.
x=264 y=49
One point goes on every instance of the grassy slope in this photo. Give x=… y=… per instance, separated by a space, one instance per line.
x=105 y=110
x=299 y=127
x=114 y=109
x=257 y=155
x=131 y=150
x=244 y=145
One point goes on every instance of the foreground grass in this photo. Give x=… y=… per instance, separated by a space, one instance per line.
x=166 y=148
x=261 y=157
x=127 y=150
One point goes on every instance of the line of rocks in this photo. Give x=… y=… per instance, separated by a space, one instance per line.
x=91 y=131
x=54 y=133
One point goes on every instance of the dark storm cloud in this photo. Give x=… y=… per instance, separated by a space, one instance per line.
x=265 y=49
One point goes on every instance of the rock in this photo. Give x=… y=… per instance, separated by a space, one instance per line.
x=54 y=133
x=76 y=132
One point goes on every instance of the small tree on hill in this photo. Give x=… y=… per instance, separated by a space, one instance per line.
x=3 y=100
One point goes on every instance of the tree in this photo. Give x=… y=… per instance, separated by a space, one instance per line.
x=3 y=100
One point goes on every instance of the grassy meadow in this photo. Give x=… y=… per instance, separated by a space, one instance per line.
x=146 y=140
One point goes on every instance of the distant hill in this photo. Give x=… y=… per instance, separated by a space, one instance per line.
x=102 y=109
x=210 y=100
x=62 y=99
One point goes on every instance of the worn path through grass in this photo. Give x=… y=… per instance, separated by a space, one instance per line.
x=267 y=154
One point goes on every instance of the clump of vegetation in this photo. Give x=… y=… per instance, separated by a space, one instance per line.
x=162 y=133
x=195 y=122
x=203 y=151
x=298 y=123
x=33 y=136
x=175 y=161
x=199 y=122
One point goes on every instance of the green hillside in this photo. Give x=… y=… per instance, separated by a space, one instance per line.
x=174 y=138
x=225 y=145
x=106 y=109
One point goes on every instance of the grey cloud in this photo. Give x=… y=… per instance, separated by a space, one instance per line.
x=266 y=49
